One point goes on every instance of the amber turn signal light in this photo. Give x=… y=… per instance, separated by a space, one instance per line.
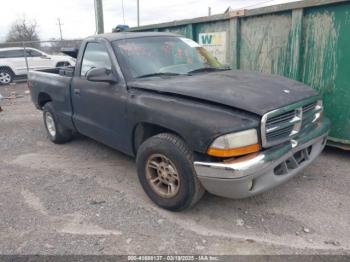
x=239 y=151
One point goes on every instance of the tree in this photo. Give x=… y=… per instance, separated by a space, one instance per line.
x=23 y=30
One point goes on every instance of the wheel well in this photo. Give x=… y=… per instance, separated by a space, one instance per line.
x=8 y=68
x=43 y=98
x=143 y=131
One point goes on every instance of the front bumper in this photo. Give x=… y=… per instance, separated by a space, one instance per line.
x=255 y=173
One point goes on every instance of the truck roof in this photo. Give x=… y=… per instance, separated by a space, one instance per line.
x=125 y=35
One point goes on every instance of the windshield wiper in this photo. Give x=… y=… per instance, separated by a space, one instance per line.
x=209 y=69
x=159 y=74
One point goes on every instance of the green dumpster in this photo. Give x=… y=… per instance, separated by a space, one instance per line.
x=307 y=40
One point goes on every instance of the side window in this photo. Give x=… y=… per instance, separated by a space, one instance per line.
x=18 y=53
x=12 y=53
x=33 y=53
x=95 y=56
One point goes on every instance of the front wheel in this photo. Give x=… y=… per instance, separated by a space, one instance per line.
x=6 y=76
x=166 y=173
x=55 y=131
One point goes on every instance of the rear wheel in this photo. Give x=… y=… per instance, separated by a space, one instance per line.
x=166 y=172
x=6 y=76
x=55 y=131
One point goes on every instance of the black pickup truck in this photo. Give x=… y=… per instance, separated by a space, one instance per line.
x=192 y=123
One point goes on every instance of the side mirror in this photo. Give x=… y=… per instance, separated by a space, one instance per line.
x=101 y=75
x=45 y=57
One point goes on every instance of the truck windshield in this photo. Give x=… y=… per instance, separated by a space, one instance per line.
x=160 y=56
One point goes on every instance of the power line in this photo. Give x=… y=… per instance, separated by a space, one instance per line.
x=257 y=4
x=248 y=6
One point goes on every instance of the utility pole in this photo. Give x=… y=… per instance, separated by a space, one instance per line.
x=60 y=26
x=99 y=17
x=138 y=12
x=123 y=12
x=209 y=11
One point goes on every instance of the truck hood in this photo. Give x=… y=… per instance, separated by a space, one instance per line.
x=257 y=93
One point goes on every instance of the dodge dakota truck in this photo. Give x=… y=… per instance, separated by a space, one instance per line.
x=193 y=124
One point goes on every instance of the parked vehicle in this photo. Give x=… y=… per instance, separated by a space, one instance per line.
x=13 y=63
x=193 y=124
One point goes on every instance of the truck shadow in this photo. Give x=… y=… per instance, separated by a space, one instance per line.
x=273 y=214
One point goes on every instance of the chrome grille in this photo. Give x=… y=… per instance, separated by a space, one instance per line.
x=283 y=124
x=309 y=107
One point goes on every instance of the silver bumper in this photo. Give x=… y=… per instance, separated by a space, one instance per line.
x=256 y=173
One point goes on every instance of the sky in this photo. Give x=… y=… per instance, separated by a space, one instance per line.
x=78 y=19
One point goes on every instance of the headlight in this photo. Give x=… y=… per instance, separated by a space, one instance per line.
x=318 y=111
x=235 y=144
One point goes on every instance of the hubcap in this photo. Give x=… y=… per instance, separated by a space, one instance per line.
x=5 y=78
x=50 y=124
x=162 y=176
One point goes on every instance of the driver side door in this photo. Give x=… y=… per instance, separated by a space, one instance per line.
x=99 y=107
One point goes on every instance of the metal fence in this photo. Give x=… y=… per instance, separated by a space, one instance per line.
x=17 y=58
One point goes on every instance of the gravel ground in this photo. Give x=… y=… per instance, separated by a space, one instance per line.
x=84 y=198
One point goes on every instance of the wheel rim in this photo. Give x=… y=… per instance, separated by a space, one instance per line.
x=5 y=78
x=162 y=176
x=50 y=124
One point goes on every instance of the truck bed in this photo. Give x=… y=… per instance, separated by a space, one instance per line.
x=63 y=71
x=53 y=85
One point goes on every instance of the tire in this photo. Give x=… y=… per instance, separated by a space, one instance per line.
x=6 y=76
x=159 y=158
x=55 y=131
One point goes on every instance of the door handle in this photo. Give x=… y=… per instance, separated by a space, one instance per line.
x=76 y=91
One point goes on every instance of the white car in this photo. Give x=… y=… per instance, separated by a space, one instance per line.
x=13 y=63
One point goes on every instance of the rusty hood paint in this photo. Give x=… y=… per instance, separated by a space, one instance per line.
x=254 y=92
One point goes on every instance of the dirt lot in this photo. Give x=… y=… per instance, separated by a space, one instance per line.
x=84 y=198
